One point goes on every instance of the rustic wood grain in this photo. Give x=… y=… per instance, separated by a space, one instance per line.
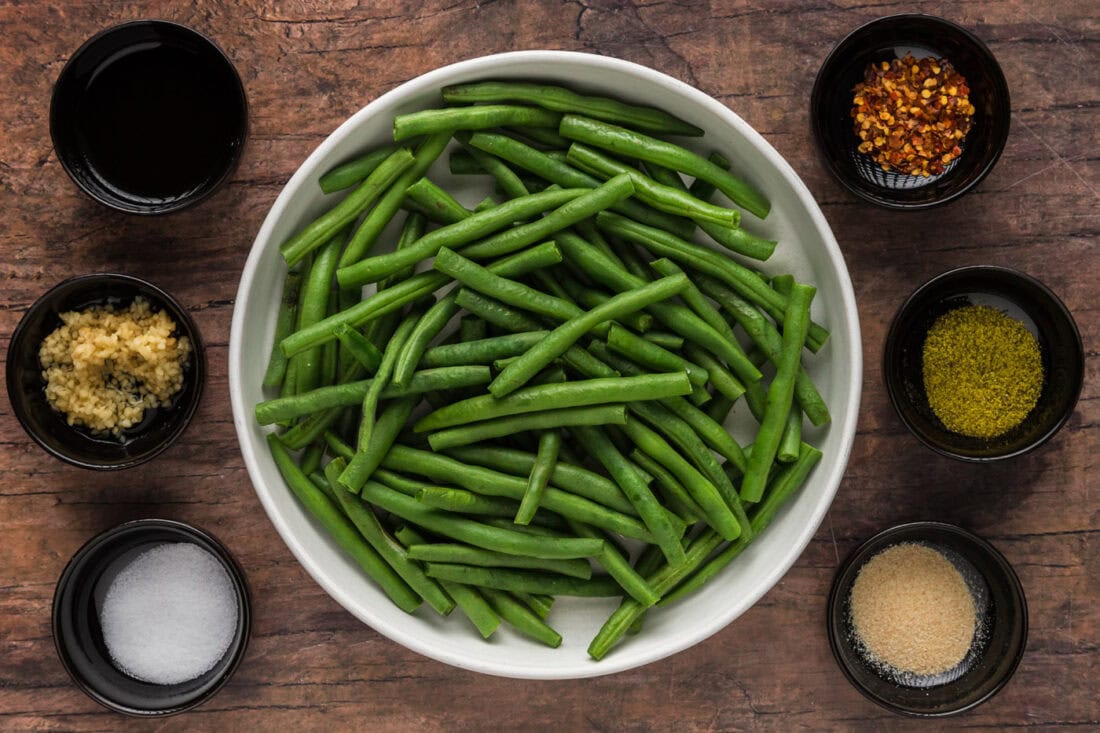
x=307 y=66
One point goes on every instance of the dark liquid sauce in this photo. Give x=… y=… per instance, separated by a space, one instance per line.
x=159 y=121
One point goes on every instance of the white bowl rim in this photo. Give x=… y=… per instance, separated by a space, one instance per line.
x=242 y=412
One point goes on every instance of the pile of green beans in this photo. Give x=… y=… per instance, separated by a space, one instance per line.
x=528 y=399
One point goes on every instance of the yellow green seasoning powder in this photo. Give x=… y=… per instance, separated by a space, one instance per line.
x=983 y=371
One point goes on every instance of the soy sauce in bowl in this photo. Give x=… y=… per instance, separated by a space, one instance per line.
x=148 y=117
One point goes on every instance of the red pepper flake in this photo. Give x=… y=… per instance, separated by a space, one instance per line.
x=919 y=136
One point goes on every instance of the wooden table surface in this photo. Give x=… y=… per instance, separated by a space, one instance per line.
x=306 y=67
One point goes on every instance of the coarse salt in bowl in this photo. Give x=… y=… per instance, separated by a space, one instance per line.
x=807 y=249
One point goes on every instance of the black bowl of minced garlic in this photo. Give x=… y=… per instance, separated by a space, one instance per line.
x=983 y=363
x=105 y=371
x=927 y=619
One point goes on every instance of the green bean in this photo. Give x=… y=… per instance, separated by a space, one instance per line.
x=783 y=486
x=617 y=566
x=653 y=356
x=563 y=174
x=543 y=420
x=457 y=234
x=284 y=325
x=588 y=230
x=467 y=555
x=365 y=520
x=546 y=459
x=359 y=347
x=545 y=136
x=556 y=396
x=383 y=435
x=470 y=329
x=695 y=299
x=382 y=378
x=505 y=177
x=590 y=298
x=524 y=581
x=632 y=144
x=313 y=306
x=537 y=602
x=431 y=121
x=397 y=482
x=521 y=618
x=352 y=393
x=565 y=335
x=676 y=317
x=379 y=217
x=462 y=163
x=323 y=228
x=566 y=476
x=407 y=291
x=716 y=511
x=636 y=490
x=792 y=437
x=412 y=230
x=342 y=530
x=354 y=171
x=706 y=189
x=662 y=581
x=481 y=351
x=495 y=483
x=337 y=447
x=495 y=312
x=510 y=292
x=678 y=497
x=719 y=409
x=437 y=204
x=427 y=328
x=727 y=384
x=559 y=99
x=477 y=533
x=310 y=460
x=780 y=393
x=669 y=341
x=465 y=502
x=474 y=605
x=663 y=198
x=768 y=340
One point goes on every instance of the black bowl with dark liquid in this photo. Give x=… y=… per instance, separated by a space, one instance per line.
x=78 y=636
x=1020 y=297
x=997 y=646
x=159 y=427
x=149 y=117
x=891 y=38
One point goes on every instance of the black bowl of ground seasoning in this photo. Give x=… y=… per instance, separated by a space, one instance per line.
x=150 y=416
x=983 y=363
x=910 y=111
x=927 y=619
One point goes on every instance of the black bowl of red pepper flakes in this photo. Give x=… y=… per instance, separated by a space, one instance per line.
x=910 y=111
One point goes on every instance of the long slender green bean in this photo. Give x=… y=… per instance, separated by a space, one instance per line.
x=429 y=326
x=383 y=435
x=524 y=581
x=512 y=424
x=559 y=99
x=382 y=378
x=359 y=347
x=354 y=171
x=521 y=617
x=467 y=555
x=323 y=228
x=458 y=234
x=494 y=483
x=476 y=533
x=653 y=356
x=379 y=217
x=539 y=478
x=284 y=325
x=565 y=335
x=365 y=520
x=636 y=490
x=780 y=393
x=685 y=506
x=505 y=177
x=556 y=396
x=632 y=144
x=496 y=313
x=481 y=351
x=482 y=117
x=438 y=205
x=342 y=530
x=695 y=299
x=313 y=306
x=617 y=565
x=727 y=384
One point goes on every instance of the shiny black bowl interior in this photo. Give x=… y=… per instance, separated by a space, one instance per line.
x=998 y=644
x=884 y=40
x=149 y=117
x=1020 y=296
x=48 y=427
x=79 y=638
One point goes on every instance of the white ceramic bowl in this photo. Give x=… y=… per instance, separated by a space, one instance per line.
x=807 y=249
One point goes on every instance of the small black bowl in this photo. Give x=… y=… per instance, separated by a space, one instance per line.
x=884 y=40
x=79 y=638
x=47 y=426
x=149 y=117
x=1021 y=297
x=997 y=648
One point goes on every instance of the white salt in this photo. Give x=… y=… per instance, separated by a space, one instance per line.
x=170 y=614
